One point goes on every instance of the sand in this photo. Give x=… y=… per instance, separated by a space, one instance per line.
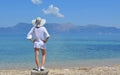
x=103 y=70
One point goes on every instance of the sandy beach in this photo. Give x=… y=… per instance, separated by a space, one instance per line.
x=103 y=70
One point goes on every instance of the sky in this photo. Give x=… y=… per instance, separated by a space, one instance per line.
x=76 y=12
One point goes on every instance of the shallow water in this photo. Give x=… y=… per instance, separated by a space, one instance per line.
x=61 y=51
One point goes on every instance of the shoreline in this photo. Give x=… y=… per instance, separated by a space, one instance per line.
x=104 y=70
x=64 y=64
x=86 y=67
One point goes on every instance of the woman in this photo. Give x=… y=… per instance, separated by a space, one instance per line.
x=41 y=35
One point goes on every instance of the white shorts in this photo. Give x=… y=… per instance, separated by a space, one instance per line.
x=39 y=45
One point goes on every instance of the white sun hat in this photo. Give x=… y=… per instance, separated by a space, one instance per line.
x=39 y=22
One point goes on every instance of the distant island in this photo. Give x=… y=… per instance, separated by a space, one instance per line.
x=62 y=29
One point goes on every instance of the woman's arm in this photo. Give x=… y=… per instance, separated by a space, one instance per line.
x=47 y=35
x=29 y=35
x=46 y=40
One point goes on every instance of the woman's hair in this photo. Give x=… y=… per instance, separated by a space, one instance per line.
x=37 y=22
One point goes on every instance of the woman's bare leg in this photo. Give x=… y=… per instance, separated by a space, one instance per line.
x=43 y=56
x=37 y=57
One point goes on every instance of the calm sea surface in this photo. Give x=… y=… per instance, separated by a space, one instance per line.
x=61 y=51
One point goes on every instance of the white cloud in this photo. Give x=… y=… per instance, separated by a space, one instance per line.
x=53 y=10
x=37 y=1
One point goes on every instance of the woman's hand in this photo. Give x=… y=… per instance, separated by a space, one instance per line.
x=32 y=40
x=46 y=40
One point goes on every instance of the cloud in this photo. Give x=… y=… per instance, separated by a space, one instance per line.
x=53 y=10
x=37 y=1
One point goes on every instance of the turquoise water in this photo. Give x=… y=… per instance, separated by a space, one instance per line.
x=18 y=51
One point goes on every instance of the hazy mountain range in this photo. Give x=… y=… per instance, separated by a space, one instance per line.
x=64 y=29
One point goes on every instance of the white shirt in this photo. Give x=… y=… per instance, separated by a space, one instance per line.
x=39 y=34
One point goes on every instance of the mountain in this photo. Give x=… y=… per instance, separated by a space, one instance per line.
x=64 y=29
x=83 y=30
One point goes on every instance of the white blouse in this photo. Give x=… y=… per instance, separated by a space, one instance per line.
x=39 y=34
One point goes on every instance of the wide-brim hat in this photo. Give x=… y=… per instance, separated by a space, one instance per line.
x=39 y=22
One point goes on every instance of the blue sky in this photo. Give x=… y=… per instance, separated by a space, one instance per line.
x=77 y=12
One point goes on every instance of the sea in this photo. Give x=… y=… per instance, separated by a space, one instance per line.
x=16 y=52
